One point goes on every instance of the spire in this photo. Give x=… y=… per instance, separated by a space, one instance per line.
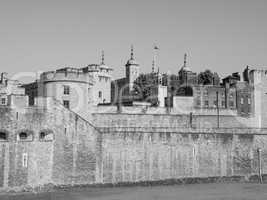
x=153 y=66
x=185 y=56
x=102 y=57
x=132 y=55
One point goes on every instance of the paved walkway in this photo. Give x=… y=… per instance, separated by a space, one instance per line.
x=178 y=192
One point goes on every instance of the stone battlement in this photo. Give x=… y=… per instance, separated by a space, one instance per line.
x=67 y=74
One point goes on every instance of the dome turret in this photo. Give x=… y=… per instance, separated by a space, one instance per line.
x=132 y=61
x=185 y=68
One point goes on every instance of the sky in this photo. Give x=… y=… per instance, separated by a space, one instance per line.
x=220 y=35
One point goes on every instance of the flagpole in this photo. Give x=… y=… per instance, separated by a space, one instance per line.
x=155 y=48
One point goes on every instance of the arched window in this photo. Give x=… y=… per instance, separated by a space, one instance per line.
x=25 y=135
x=3 y=136
x=46 y=135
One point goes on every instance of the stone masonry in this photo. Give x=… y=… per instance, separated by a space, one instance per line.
x=121 y=147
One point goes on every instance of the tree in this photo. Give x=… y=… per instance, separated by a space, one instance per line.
x=144 y=87
x=208 y=78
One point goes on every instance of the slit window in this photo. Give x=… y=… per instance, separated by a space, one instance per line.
x=25 y=160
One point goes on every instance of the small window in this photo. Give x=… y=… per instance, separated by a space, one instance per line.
x=206 y=103
x=100 y=94
x=46 y=135
x=3 y=101
x=25 y=160
x=249 y=102
x=25 y=136
x=241 y=100
x=3 y=136
x=66 y=104
x=66 y=89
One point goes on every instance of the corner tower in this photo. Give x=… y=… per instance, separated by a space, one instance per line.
x=132 y=71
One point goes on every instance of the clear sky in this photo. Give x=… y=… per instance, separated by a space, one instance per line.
x=222 y=35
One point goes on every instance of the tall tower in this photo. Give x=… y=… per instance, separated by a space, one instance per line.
x=132 y=71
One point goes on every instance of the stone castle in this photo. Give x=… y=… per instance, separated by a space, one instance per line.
x=64 y=128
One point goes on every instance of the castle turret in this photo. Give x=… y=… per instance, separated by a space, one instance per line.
x=186 y=76
x=132 y=70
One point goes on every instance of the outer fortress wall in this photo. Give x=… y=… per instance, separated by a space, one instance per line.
x=123 y=148
x=147 y=147
x=68 y=158
x=133 y=155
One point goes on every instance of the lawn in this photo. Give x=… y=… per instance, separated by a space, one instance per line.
x=245 y=191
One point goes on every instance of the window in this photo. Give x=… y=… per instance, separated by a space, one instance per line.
x=215 y=103
x=206 y=103
x=198 y=102
x=100 y=94
x=241 y=100
x=66 y=104
x=66 y=89
x=223 y=103
x=231 y=103
x=25 y=160
x=46 y=135
x=3 y=101
x=249 y=101
x=25 y=136
x=3 y=136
